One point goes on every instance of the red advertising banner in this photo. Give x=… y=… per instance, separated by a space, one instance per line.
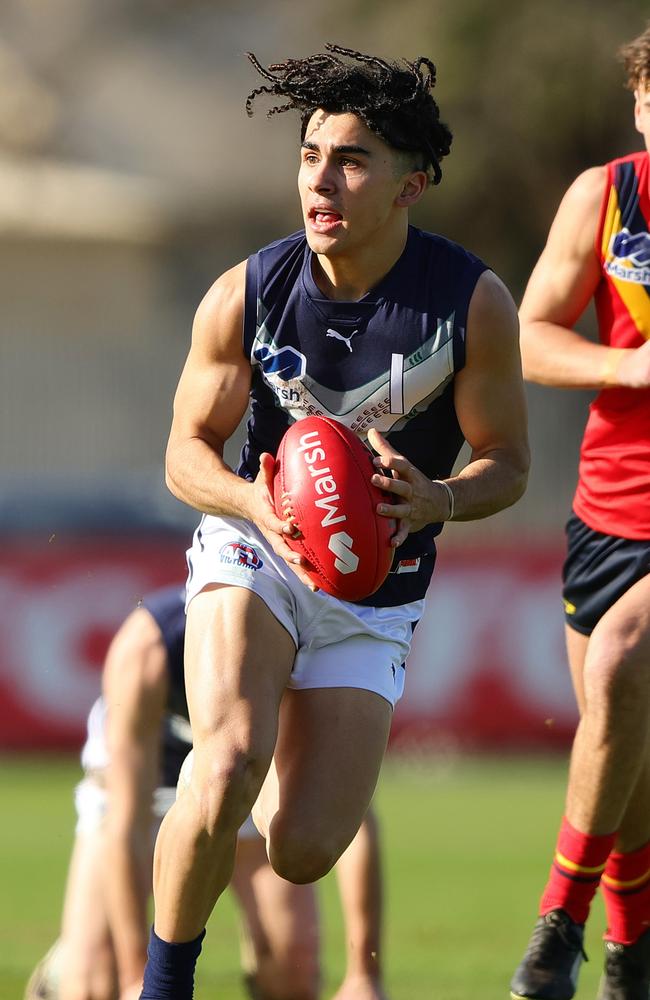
x=61 y=600
x=487 y=670
x=488 y=666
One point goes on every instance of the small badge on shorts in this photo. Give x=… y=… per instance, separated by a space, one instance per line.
x=240 y=554
x=408 y=566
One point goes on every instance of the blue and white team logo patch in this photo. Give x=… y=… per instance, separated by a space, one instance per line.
x=284 y=363
x=633 y=246
x=240 y=554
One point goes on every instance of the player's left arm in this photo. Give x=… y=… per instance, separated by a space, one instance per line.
x=135 y=685
x=491 y=408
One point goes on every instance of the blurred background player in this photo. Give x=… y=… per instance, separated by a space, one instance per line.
x=138 y=737
x=599 y=248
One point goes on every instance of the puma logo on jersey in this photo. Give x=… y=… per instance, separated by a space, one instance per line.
x=339 y=336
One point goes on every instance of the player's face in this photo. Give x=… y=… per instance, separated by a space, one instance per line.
x=349 y=180
x=642 y=113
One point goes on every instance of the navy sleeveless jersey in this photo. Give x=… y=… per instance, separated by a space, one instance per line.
x=386 y=361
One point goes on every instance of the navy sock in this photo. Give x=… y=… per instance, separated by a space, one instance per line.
x=169 y=973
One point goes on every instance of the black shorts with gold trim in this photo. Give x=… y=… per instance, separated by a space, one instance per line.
x=598 y=570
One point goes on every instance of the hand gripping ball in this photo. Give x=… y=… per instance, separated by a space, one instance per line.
x=322 y=485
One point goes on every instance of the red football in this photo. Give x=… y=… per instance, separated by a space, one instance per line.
x=322 y=484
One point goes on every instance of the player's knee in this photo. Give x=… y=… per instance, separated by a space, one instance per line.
x=226 y=788
x=300 y=858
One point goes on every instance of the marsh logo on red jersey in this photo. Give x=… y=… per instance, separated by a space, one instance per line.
x=240 y=554
x=630 y=257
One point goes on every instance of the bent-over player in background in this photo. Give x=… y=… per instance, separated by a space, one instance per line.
x=599 y=248
x=294 y=712
x=138 y=737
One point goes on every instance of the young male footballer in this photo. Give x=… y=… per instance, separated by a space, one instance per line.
x=290 y=690
x=599 y=248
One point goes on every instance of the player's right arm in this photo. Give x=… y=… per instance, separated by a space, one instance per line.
x=560 y=287
x=211 y=399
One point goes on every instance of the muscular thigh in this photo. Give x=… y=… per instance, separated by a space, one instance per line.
x=617 y=662
x=624 y=631
x=327 y=761
x=605 y=593
x=238 y=659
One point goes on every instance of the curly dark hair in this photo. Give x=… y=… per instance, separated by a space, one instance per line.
x=393 y=99
x=636 y=59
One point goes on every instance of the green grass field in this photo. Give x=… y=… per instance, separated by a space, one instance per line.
x=467 y=847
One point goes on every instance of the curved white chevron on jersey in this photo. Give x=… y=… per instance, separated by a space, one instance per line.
x=425 y=374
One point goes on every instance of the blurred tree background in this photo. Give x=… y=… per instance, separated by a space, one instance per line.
x=130 y=177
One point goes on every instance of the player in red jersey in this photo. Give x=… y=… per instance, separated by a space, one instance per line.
x=599 y=248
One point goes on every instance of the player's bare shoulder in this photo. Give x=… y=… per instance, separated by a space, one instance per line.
x=218 y=322
x=577 y=217
x=568 y=270
x=492 y=323
x=586 y=191
x=215 y=367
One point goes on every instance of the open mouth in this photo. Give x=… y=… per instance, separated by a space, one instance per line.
x=323 y=218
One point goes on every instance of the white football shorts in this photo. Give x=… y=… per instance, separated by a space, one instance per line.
x=90 y=795
x=338 y=644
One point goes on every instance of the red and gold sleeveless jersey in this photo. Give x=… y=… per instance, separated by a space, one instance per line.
x=613 y=494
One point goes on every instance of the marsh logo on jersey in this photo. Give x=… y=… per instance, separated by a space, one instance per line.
x=629 y=258
x=240 y=554
x=281 y=367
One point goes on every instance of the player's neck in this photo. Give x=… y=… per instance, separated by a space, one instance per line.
x=347 y=277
